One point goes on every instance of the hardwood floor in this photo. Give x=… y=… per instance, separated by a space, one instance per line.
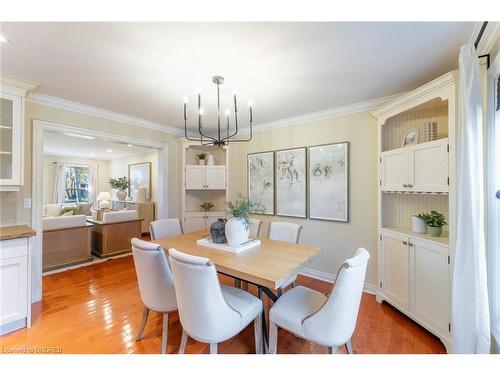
x=97 y=309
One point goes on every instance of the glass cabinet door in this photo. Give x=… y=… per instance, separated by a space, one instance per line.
x=10 y=139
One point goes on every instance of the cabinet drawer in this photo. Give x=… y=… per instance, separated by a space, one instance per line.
x=13 y=248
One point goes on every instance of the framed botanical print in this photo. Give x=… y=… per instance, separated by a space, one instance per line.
x=139 y=177
x=291 y=182
x=328 y=175
x=260 y=180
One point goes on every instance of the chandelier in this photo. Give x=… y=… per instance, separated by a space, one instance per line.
x=220 y=139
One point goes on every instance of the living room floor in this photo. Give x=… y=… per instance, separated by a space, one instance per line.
x=97 y=309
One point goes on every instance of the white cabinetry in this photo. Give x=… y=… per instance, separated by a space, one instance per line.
x=202 y=183
x=415 y=278
x=414 y=269
x=15 y=286
x=200 y=177
x=419 y=168
x=12 y=97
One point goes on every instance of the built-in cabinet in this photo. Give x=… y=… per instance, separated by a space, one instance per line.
x=12 y=97
x=199 y=177
x=419 y=168
x=15 y=284
x=415 y=269
x=201 y=183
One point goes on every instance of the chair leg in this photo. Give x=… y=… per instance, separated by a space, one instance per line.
x=273 y=337
x=145 y=314
x=257 y=327
x=184 y=340
x=164 y=335
x=280 y=292
x=244 y=286
x=237 y=283
x=334 y=350
x=213 y=348
x=348 y=347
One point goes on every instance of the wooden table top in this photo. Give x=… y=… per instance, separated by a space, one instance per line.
x=16 y=231
x=268 y=265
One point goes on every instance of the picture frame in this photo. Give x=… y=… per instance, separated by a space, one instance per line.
x=328 y=176
x=139 y=176
x=261 y=180
x=291 y=182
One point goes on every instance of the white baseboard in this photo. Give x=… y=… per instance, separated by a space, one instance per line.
x=330 y=277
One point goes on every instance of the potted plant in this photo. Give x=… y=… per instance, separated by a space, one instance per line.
x=121 y=184
x=201 y=158
x=237 y=227
x=435 y=222
x=418 y=224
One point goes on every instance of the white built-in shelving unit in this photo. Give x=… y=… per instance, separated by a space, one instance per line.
x=415 y=269
x=200 y=183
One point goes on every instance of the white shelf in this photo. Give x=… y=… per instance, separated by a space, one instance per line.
x=5 y=153
x=443 y=240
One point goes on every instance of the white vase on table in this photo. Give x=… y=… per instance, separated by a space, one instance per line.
x=236 y=232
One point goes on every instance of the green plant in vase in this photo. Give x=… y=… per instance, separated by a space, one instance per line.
x=201 y=158
x=435 y=222
x=121 y=184
x=238 y=226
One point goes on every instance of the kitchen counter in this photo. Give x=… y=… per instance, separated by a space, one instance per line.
x=16 y=231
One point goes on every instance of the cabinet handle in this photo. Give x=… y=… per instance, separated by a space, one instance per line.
x=405 y=242
x=410 y=185
x=410 y=243
x=405 y=185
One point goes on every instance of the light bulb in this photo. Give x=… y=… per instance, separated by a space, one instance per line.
x=185 y=100
x=227 y=112
x=250 y=104
x=201 y=111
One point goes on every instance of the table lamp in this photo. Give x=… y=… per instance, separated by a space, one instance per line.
x=103 y=198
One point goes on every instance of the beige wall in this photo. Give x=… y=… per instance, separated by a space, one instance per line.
x=119 y=168
x=338 y=240
x=11 y=203
x=49 y=173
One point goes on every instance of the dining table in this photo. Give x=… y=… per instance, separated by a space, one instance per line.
x=268 y=266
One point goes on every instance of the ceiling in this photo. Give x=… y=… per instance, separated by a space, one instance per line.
x=286 y=69
x=73 y=145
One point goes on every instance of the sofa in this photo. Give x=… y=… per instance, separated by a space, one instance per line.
x=112 y=235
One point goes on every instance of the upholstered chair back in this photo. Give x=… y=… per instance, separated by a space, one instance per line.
x=255 y=228
x=283 y=231
x=156 y=282
x=165 y=228
x=203 y=311
x=336 y=320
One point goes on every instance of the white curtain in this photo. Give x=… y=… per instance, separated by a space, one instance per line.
x=470 y=314
x=59 y=184
x=94 y=177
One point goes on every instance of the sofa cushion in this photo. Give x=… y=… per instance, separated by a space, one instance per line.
x=52 y=209
x=66 y=211
x=117 y=216
x=64 y=222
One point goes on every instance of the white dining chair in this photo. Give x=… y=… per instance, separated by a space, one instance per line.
x=165 y=228
x=156 y=284
x=210 y=312
x=287 y=232
x=328 y=321
x=255 y=228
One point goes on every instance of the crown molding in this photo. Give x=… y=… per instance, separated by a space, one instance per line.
x=69 y=105
x=366 y=106
x=17 y=83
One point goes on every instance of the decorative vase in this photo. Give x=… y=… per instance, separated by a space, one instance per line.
x=236 y=233
x=212 y=160
x=121 y=195
x=201 y=161
x=418 y=225
x=434 y=231
x=218 y=231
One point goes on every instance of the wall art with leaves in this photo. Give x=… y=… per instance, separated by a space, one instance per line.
x=260 y=178
x=291 y=182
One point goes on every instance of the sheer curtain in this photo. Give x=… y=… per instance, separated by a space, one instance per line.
x=94 y=177
x=470 y=314
x=59 y=184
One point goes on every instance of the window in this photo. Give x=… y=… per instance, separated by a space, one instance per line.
x=76 y=184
